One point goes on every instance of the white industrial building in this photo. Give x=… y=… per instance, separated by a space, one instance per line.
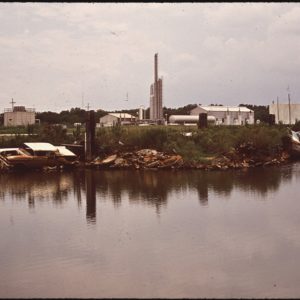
x=285 y=113
x=226 y=115
x=19 y=116
x=113 y=119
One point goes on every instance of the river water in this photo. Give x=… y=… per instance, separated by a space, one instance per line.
x=154 y=234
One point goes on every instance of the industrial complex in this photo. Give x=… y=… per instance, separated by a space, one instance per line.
x=215 y=114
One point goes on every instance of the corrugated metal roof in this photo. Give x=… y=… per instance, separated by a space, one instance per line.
x=122 y=115
x=226 y=108
x=41 y=146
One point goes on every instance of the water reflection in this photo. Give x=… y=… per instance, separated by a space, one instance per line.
x=149 y=188
x=90 y=196
x=91 y=234
x=36 y=186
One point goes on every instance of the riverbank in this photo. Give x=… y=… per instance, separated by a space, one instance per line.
x=186 y=147
x=183 y=147
x=151 y=159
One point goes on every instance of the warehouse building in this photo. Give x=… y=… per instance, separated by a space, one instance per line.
x=285 y=113
x=226 y=115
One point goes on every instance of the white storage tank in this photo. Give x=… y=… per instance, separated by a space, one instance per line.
x=141 y=113
x=190 y=119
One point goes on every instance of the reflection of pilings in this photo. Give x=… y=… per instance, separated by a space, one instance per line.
x=77 y=187
x=90 y=197
x=31 y=202
x=203 y=194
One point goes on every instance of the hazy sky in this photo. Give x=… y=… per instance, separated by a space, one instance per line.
x=56 y=56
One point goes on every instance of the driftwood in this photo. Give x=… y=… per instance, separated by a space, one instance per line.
x=150 y=159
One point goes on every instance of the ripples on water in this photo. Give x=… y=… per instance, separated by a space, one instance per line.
x=150 y=234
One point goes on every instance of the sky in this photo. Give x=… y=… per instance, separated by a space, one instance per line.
x=55 y=56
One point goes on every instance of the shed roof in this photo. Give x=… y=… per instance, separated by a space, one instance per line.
x=226 y=108
x=41 y=146
x=122 y=115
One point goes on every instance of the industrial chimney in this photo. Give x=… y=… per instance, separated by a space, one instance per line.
x=156 y=111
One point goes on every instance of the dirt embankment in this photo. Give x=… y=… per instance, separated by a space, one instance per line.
x=243 y=157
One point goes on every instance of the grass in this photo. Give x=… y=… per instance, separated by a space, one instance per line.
x=200 y=146
x=204 y=143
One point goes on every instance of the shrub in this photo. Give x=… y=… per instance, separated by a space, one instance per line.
x=210 y=141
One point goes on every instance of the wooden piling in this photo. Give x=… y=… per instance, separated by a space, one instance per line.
x=90 y=125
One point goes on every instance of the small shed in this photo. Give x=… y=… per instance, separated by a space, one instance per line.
x=112 y=119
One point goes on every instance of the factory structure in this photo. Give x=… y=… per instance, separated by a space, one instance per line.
x=156 y=98
x=156 y=107
x=226 y=115
x=19 y=116
x=216 y=115
x=285 y=113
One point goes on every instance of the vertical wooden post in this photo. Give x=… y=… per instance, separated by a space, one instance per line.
x=90 y=135
x=202 y=120
x=277 y=110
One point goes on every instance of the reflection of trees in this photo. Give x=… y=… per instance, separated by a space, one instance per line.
x=147 y=187
x=152 y=187
x=35 y=185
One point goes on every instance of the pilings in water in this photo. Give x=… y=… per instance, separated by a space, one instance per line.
x=90 y=125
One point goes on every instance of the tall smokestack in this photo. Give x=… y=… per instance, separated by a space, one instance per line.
x=156 y=111
x=155 y=68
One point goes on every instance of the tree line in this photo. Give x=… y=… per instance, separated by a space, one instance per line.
x=77 y=115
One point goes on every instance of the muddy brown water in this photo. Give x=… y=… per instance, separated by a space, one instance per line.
x=154 y=234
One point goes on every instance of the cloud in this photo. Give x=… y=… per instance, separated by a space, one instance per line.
x=249 y=51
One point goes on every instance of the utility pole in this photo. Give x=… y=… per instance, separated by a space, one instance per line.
x=277 y=110
x=82 y=99
x=12 y=103
x=289 y=105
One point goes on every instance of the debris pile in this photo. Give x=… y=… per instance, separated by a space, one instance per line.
x=153 y=159
x=142 y=159
x=243 y=157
